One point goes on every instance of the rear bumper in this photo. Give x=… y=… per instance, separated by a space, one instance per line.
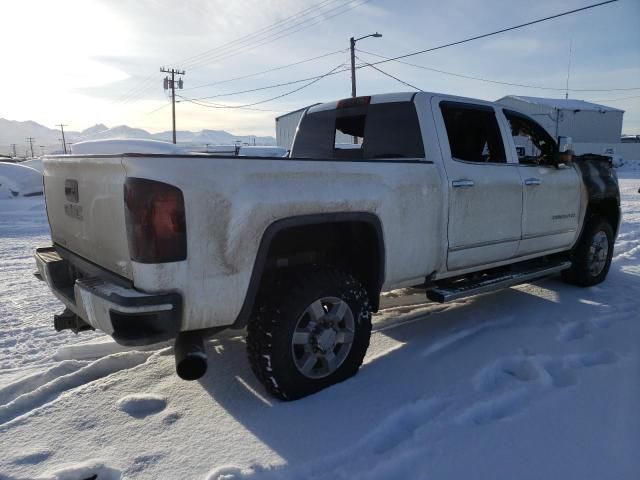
x=131 y=317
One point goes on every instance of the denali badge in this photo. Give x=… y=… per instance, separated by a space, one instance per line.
x=564 y=216
x=71 y=190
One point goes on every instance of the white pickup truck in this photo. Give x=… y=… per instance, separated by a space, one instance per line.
x=150 y=247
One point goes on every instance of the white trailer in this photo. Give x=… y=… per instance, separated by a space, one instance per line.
x=580 y=120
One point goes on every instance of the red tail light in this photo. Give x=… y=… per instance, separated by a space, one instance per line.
x=156 y=227
x=353 y=102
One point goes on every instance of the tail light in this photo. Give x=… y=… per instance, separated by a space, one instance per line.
x=156 y=227
x=353 y=102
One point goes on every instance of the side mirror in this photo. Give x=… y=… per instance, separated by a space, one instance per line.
x=563 y=156
x=565 y=144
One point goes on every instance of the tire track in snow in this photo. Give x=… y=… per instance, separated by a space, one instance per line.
x=49 y=392
x=33 y=381
x=513 y=382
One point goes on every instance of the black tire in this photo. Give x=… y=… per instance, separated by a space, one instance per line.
x=582 y=271
x=281 y=308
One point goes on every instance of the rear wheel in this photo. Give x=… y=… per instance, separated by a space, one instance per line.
x=592 y=255
x=311 y=330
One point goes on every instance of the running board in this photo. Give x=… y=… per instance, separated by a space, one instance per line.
x=504 y=280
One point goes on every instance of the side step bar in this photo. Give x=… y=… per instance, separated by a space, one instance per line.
x=491 y=283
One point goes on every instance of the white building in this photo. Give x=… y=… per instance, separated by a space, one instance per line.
x=286 y=126
x=584 y=122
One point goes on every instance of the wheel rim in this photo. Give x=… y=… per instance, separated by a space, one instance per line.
x=323 y=337
x=598 y=252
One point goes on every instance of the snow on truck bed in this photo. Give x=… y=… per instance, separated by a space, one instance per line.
x=538 y=381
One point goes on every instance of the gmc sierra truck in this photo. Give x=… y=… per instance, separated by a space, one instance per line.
x=151 y=247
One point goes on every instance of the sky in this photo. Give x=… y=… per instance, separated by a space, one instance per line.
x=84 y=62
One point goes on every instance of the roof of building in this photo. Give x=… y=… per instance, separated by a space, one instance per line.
x=295 y=111
x=562 y=103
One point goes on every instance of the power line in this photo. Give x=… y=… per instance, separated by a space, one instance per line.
x=140 y=87
x=247 y=108
x=389 y=75
x=495 y=32
x=293 y=82
x=258 y=32
x=290 y=30
x=488 y=80
x=159 y=108
x=282 y=67
x=616 y=99
x=146 y=84
x=220 y=105
x=396 y=59
x=210 y=105
x=469 y=77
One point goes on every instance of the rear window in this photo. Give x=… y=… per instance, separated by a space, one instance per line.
x=361 y=132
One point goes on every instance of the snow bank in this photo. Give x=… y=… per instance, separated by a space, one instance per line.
x=35 y=163
x=262 y=152
x=17 y=179
x=121 y=145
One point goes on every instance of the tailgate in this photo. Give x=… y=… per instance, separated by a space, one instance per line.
x=85 y=206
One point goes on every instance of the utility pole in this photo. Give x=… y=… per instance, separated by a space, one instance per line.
x=13 y=147
x=64 y=145
x=171 y=83
x=352 y=47
x=31 y=139
x=566 y=95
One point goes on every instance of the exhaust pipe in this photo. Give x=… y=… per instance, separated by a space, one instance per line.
x=191 y=357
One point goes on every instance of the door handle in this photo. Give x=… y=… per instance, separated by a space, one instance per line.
x=463 y=183
x=532 y=181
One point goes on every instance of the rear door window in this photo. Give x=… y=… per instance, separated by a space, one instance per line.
x=473 y=131
x=361 y=132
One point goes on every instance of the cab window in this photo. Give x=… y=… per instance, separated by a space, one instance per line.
x=534 y=145
x=473 y=132
x=381 y=131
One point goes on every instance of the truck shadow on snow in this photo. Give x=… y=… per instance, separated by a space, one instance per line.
x=408 y=363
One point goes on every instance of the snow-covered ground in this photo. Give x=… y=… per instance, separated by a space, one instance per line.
x=536 y=382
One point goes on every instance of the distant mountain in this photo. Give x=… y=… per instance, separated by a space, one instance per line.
x=121 y=131
x=96 y=129
x=12 y=131
x=213 y=137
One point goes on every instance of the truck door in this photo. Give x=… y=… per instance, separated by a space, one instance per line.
x=485 y=189
x=551 y=195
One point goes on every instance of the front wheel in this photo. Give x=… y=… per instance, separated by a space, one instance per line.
x=592 y=255
x=310 y=330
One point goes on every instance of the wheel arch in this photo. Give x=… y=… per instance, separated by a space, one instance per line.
x=286 y=227
x=609 y=209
